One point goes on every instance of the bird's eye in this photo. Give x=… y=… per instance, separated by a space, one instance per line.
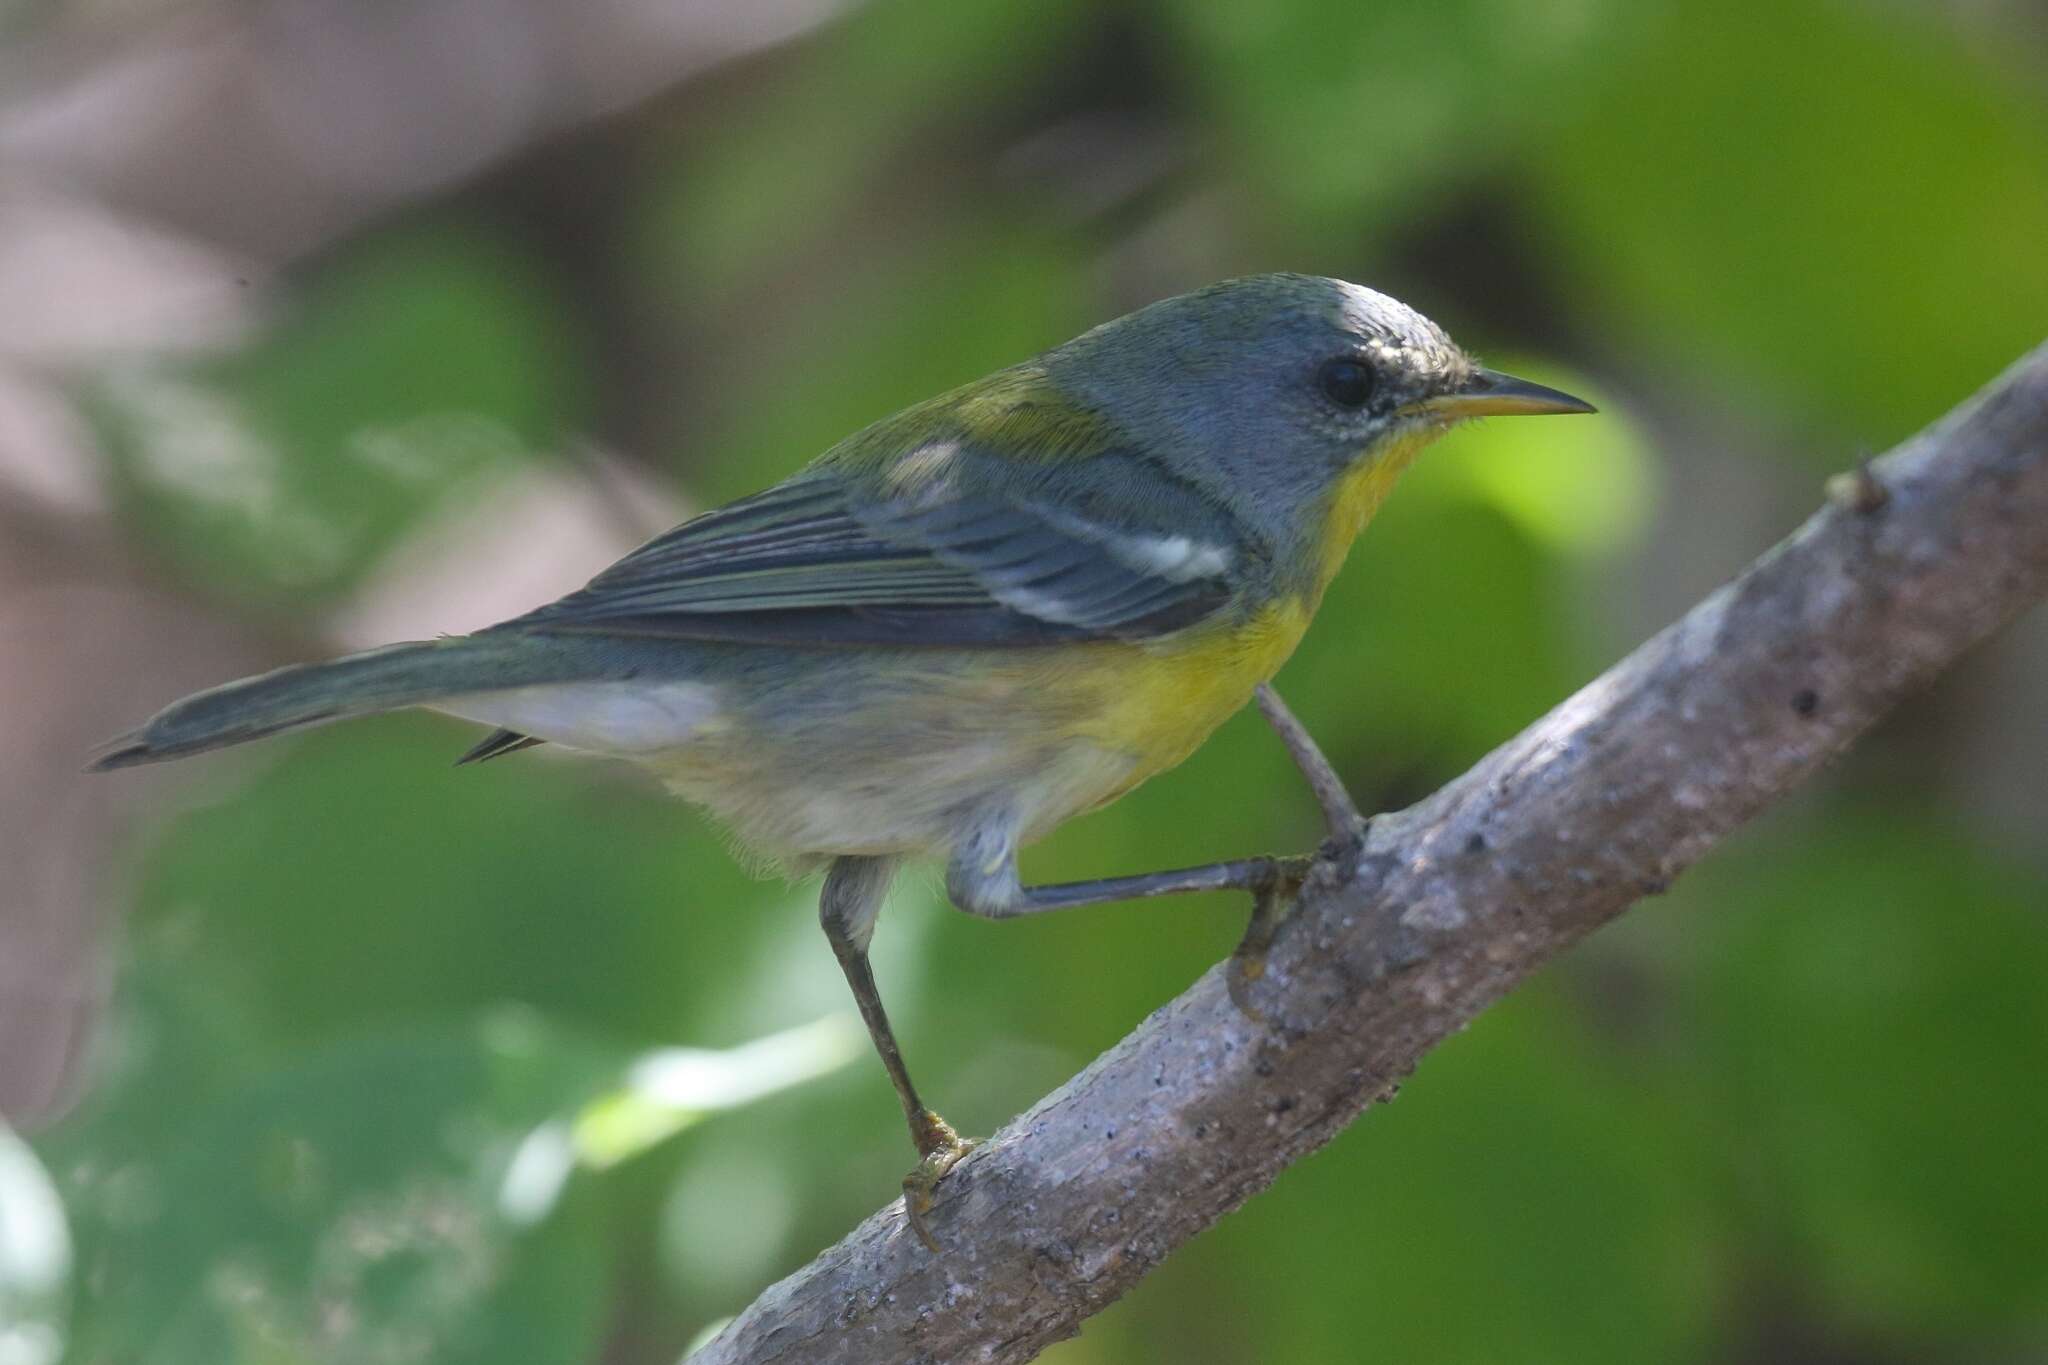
x=1346 y=382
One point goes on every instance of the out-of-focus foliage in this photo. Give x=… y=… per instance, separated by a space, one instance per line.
x=1850 y=227
x=416 y=370
x=1867 y=1031
x=369 y=1089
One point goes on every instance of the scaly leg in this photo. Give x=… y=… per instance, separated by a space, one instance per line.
x=1340 y=812
x=854 y=888
x=991 y=889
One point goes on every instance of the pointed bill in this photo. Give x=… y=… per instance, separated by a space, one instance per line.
x=1489 y=393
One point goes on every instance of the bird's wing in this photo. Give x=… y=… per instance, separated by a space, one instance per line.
x=829 y=560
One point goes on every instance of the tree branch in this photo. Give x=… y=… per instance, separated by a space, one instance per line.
x=1394 y=946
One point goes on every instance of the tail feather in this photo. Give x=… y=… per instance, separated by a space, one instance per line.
x=497 y=744
x=311 y=694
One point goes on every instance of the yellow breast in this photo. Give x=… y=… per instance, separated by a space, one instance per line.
x=1159 y=701
x=1358 y=496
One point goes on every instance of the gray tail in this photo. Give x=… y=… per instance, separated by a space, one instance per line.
x=310 y=694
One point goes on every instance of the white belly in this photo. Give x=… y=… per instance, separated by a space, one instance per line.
x=919 y=802
x=631 y=719
x=800 y=784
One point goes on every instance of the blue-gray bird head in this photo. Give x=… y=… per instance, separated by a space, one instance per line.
x=1274 y=387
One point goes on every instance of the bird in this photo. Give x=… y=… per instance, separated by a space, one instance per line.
x=969 y=622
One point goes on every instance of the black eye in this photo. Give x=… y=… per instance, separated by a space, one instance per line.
x=1346 y=382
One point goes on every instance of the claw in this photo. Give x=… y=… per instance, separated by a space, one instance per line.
x=1269 y=907
x=942 y=1148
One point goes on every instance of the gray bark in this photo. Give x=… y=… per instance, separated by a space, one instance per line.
x=1393 y=946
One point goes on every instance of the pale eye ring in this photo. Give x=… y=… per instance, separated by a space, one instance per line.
x=1347 y=381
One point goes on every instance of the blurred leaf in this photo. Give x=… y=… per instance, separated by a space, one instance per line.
x=1870 y=1003
x=35 y=1258
x=1344 y=116
x=674 y=1087
x=1811 y=207
x=409 y=371
x=396 y=1194
x=361 y=875
x=177 y=1034
x=342 y=1208
x=1437 y=642
x=891 y=75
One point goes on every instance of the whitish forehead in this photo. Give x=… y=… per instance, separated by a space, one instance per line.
x=1373 y=314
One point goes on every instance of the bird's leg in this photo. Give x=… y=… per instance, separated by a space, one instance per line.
x=982 y=880
x=1340 y=812
x=994 y=892
x=854 y=888
x=1341 y=820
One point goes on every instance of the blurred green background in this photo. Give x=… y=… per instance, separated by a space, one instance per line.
x=326 y=322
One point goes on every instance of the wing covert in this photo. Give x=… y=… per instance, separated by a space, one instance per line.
x=812 y=561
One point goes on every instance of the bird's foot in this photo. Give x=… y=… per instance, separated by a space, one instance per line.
x=942 y=1149
x=1269 y=908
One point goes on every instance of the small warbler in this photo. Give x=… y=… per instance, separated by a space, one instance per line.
x=961 y=626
